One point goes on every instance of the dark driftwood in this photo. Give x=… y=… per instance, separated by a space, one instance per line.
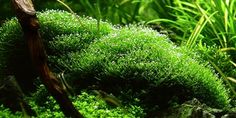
x=26 y=15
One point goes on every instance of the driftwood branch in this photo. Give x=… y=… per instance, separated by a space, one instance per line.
x=26 y=15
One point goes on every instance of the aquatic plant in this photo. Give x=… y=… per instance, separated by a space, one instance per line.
x=114 y=58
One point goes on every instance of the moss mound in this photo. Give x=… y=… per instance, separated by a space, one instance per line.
x=113 y=58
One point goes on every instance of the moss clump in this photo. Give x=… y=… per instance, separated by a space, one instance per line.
x=112 y=54
x=141 y=54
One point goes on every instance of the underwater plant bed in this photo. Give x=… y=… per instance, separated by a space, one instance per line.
x=137 y=65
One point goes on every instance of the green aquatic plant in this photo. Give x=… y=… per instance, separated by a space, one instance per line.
x=92 y=107
x=112 y=58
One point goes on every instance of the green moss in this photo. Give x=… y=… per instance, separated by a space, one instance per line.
x=137 y=53
x=125 y=54
x=88 y=104
x=6 y=113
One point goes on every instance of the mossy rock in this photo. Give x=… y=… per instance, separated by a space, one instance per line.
x=131 y=57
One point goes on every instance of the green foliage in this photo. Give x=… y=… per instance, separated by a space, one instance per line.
x=88 y=104
x=207 y=27
x=6 y=113
x=115 y=11
x=219 y=57
x=7 y=53
x=210 y=23
x=112 y=53
x=141 y=54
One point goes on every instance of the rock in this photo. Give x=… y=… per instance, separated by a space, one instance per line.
x=189 y=109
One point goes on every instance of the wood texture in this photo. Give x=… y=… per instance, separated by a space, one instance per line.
x=26 y=15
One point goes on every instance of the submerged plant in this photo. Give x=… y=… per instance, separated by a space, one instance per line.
x=113 y=58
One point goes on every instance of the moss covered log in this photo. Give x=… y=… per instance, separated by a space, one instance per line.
x=132 y=57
